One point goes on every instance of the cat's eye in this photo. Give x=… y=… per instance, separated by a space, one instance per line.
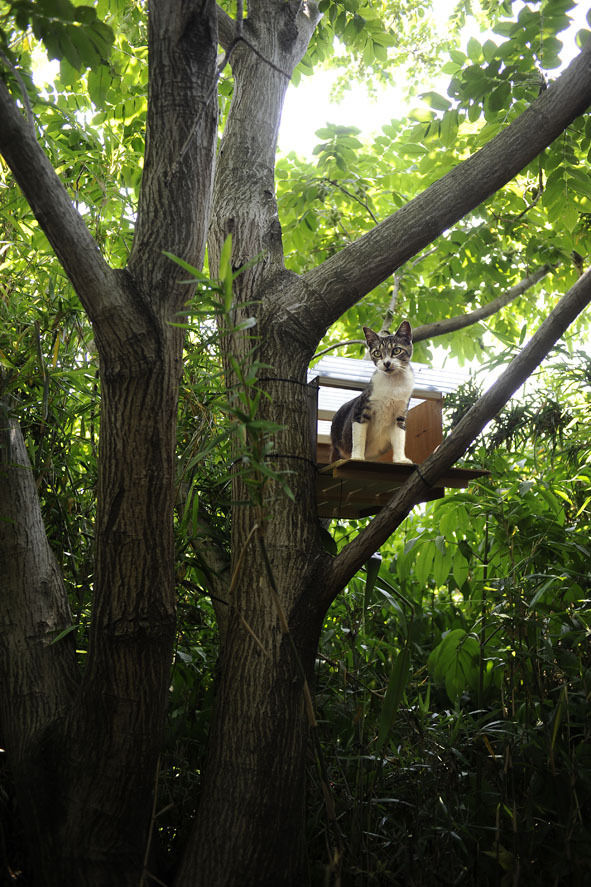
x=376 y=352
x=397 y=350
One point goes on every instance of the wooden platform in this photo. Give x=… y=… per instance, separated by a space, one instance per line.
x=355 y=488
x=352 y=488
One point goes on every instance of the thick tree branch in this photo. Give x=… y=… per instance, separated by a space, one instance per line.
x=181 y=128
x=227 y=29
x=357 y=552
x=63 y=225
x=340 y=281
x=451 y=324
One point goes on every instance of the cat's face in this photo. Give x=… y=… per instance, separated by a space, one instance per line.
x=393 y=352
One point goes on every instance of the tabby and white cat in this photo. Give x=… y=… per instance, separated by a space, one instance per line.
x=364 y=428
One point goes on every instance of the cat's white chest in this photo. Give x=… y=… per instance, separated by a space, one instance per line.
x=388 y=391
x=388 y=401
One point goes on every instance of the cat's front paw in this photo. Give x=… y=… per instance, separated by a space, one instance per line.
x=404 y=460
x=360 y=456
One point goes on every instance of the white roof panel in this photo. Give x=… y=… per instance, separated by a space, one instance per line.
x=349 y=372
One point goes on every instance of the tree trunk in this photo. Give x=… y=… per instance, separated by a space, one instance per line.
x=89 y=744
x=39 y=673
x=253 y=793
x=116 y=728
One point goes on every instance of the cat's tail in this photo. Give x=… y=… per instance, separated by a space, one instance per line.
x=335 y=455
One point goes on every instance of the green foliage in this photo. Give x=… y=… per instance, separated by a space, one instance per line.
x=483 y=771
x=375 y=39
x=540 y=217
x=68 y=30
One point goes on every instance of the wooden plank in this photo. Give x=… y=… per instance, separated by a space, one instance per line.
x=386 y=472
x=419 y=391
x=352 y=488
x=424 y=430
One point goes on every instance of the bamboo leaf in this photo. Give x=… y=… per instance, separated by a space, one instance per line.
x=396 y=685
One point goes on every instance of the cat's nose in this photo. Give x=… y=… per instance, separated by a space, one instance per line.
x=387 y=364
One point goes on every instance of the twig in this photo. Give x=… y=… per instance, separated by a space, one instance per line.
x=151 y=831
x=460 y=321
x=365 y=206
x=339 y=345
x=389 y=315
x=451 y=324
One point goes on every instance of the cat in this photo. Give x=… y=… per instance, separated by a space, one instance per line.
x=366 y=427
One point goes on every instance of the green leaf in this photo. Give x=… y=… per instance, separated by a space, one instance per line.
x=99 y=81
x=372 y=569
x=499 y=97
x=436 y=101
x=460 y=568
x=474 y=49
x=449 y=127
x=458 y=57
x=423 y=567
x=442 y=564
x=489 y=50
x=396 y=685
x=62 y=634
x=455 y=661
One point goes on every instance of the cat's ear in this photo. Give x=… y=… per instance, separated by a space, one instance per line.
x=370 y=337
x=405 y=330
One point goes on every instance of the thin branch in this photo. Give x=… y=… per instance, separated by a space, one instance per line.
x=357 y=552
x=264 y=58
x=355 y=197
x=344 y=278
x=339 y=345
x=239 y=17
x=451 y=324
x=389 y=314
x=63 y=225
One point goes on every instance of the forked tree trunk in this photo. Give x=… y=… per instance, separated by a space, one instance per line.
x=84 y=747
x=250 y=825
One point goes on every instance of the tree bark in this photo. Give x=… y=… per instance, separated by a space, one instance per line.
x=258 y=735
x=107 y=734
x=253 y=793
x=39 y=672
